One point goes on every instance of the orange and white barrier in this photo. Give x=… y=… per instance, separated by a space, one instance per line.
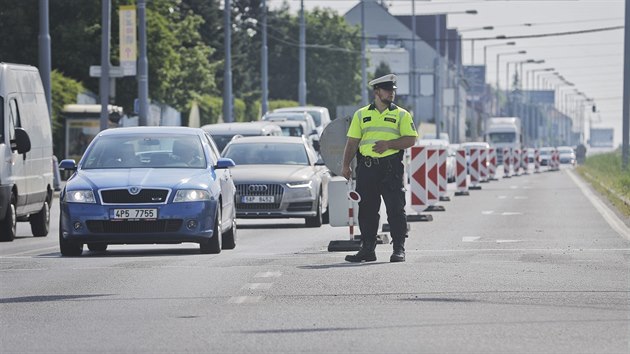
x=418 y=181
x=507 y=158
x=461 y=175
x=536 y=161
x=473 y=168
x=483 y=165
x=524 y=161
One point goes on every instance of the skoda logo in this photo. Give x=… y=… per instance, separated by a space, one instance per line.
x=257 y=188
x=134 y=190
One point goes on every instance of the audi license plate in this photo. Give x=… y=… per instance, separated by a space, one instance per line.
x=126 y=214
x=258 y=199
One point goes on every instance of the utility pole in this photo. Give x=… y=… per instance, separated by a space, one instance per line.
x=364 y=94
x=302 y=84
x=44 y=52
x=143 y=66
x=106 y=8
x=437 y=81
x=265 y=85
x=625 y=149
x=412 y=71
x=227 y=70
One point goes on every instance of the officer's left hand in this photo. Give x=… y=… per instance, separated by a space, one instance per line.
x=381 y=146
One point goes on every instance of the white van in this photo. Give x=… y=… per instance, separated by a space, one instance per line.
x=223 y=133
x=26 y=173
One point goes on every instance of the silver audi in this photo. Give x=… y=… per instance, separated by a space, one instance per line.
x=279 y=177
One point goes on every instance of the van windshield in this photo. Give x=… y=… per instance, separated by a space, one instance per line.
x=502 y=138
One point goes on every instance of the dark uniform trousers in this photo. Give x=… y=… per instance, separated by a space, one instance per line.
x=376 y=178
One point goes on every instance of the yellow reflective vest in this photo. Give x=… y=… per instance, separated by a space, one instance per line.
x=369 y=125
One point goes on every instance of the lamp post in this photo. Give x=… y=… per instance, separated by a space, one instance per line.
x=472 y=41
x=437 y=94
x=498 y=63
x=485 y=52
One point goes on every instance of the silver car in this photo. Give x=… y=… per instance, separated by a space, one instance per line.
x=279 y=177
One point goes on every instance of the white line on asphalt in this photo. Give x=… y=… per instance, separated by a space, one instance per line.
x=487 y=212
x=257 y=286
x=470 y=239
x=244 y=299
x=502 y=197
x=509 y=213
x=508 y=241
x=610 y=217
x=268 y=275
x=520 y=197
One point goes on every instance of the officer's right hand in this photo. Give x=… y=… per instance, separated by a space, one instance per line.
x=346 y=172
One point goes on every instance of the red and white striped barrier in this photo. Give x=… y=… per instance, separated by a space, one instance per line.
x=418 y=181
x=555 y=157
x=433 y=190
x=483 y=165
x=473 y=168
x=536 y=161
x=492 y=164
x=516 y=161
x=524 y=161
x=442 y=182
x=507 y=158
x=461 y=175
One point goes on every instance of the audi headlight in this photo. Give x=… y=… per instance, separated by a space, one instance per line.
x=191 y=195
x=300 y=184
x=80 y=196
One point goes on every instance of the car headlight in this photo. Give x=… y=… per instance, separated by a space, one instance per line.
x=80 y=196
x=191 y=195
x=300 y=184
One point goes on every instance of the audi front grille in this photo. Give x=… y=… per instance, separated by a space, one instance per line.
x=259 y=189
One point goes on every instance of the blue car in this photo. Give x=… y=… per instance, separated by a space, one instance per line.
x=148 y=185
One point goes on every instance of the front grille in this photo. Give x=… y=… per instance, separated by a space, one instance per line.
x=301 y=206
x=134 y=227
x=122 y=196
x=259 y=189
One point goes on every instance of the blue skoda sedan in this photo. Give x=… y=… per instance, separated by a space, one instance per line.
x=147 y=185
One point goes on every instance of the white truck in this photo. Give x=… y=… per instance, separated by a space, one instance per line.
x=503 y=132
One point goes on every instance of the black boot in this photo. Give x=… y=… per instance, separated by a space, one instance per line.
x=399 y=251
x=366 y=252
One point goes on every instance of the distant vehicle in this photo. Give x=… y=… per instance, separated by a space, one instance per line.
x=279 y=177
x=545 y=155
x=146 y=185
x=566 y=155
x=298 y=116
x=292 y=127
x=320 y=115
x=474 y=144
x=503 y=132
x=223 y=133
x=26 y=172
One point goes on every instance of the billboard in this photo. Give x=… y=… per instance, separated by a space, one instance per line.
x=476 y=77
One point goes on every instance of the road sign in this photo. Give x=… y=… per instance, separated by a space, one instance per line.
x=128 y=43
x=114 y=71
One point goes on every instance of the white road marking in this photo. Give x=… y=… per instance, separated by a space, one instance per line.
x=470 y=238
x=487 y=212
x=244 y=299
x=257 y=286
x=510 y=213
x=508 y=241
x=610 y=217
x=268 y=275
x=502 y=197
x=521 y=197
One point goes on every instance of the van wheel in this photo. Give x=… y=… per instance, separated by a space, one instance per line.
x=213 y=245
x=8 y=226
x=40 y=222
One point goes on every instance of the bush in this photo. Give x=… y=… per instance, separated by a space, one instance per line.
x=64 y=91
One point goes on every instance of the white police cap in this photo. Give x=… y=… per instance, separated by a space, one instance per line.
x=387 y=82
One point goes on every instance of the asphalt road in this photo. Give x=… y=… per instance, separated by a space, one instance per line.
x=527 y=264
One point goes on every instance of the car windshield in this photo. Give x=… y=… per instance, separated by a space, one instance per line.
x=565 y=151
x=292 y=131
x=145 y=151
x=502 y=138
x=267 y=153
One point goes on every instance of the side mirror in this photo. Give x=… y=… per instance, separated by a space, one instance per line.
x=224 y=162
x=68 y=165
x=22 y=142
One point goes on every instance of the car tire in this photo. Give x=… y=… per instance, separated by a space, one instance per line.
x=8 y=226
x=326 y=216
x=69 y=248
x=229 y=238
x=97 y=247
x=40 y=222
x=213 y=244
x=316 y=221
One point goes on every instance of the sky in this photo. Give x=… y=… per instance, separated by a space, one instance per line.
x=593 y=62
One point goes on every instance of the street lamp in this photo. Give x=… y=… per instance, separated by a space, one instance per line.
x=472 y=41
x=531 y=85
x=485 y=48
x=498 y=63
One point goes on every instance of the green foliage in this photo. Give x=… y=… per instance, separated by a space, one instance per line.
x=64 y=91
x=210 y=109
x=239 y=110
x=605 y=169
x=382 y=69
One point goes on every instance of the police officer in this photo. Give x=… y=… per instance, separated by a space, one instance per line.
x=380 y=132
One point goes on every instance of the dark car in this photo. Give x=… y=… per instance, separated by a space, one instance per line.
x=146 y=185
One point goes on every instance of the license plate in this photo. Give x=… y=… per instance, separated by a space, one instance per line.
x=258 y=199
x=125 y=214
